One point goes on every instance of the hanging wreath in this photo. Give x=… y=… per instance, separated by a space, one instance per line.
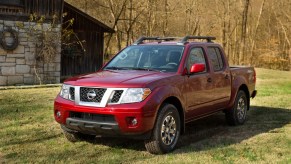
x=14 y=42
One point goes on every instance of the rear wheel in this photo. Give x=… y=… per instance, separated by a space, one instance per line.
x=166 y=131
x=237 y=115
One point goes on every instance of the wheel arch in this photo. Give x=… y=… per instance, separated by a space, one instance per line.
x=244 y=88
x=239 y=83
x=177 y=103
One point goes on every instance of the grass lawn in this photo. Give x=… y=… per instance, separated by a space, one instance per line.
x=29 y=134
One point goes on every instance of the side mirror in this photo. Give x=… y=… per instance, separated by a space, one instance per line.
x=196 y=68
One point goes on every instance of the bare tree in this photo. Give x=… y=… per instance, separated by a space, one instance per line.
x=115 y=13
x=244 y=32
x=254 y=36
x=252 y=32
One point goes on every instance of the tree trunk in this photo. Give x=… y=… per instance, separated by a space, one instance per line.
x=254 y=37
x=116 y=18
x=244 y=32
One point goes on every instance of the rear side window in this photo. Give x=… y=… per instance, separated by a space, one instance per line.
x=215 y=57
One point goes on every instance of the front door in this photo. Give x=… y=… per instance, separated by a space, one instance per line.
x=200 y=89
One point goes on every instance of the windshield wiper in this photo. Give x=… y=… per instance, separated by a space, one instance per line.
x=145 y=69
x=115 y=68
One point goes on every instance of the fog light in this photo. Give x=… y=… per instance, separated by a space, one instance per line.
x=58 y=114
x=134 y=122
x=131 y=121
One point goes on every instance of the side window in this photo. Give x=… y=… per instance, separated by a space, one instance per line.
x=215 y=58
x=196 y=56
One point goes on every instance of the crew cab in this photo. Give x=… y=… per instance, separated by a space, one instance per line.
x=151 y=89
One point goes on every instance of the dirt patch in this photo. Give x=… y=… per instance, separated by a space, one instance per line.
x=1 y=159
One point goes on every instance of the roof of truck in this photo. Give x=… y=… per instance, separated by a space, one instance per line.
x=174 y=40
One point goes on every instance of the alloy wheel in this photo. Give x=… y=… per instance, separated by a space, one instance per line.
x=168 y=130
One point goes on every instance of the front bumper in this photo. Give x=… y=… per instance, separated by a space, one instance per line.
x=112 y=120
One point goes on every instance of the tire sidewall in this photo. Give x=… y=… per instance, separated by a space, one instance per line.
x=167 y=110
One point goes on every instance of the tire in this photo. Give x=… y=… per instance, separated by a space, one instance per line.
x=237 y=114
x=166 y=131
x=75 y=136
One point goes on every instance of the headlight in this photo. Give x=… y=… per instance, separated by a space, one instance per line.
x=133 y=95
x=65 y=91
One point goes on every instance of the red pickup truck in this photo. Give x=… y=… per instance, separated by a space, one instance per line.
x=151 y=89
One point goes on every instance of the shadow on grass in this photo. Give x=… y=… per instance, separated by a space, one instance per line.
x=31 y=140
x=259 y=120
x=124 y=143
x=214 y=128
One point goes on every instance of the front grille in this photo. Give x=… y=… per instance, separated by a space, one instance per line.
x=93 y=117
x=91 y=94
x=72 y=93
x=116 y=96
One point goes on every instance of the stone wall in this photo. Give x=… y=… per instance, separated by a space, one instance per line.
x=20 y=66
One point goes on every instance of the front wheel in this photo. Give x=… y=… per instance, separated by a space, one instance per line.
x=166 y=131
x=237 y=115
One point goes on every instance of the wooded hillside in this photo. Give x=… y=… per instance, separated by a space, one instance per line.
x=253 y=32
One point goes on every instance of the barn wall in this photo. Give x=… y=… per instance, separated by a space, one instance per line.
x=93 y=35
x=20 y=66
x=20 y=10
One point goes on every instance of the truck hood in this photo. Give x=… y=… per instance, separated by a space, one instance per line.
x=118 y=79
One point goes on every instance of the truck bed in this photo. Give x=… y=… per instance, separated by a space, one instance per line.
x=247 y=73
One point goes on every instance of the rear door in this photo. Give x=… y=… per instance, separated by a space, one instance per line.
x=220 y=77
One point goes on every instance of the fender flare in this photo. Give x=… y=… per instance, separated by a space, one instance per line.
x=168 y=92
x=237 y=83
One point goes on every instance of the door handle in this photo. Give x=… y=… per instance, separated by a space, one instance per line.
x=226 y=76
x=209 y=80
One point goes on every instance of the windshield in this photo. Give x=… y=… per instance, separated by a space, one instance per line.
x=163 y=58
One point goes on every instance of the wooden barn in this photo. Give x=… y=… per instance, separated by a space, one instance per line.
x=87 y=56
x=80 y=53
x=19 y=10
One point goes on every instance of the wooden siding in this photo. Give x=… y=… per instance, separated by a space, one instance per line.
x=44 y=7
x=90 y=30
x=84 y=21
x=20 y=10
x=91 y=61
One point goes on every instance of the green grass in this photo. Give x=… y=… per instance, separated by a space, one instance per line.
x=29 y=134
